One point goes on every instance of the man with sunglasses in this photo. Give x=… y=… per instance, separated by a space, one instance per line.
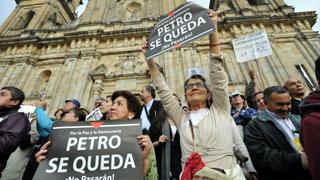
x=272 y=139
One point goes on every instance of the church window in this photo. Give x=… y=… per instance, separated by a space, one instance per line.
x=23 y=21
x=44 y=78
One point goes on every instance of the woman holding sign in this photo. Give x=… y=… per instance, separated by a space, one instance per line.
x=208 y=132
x=125 y=107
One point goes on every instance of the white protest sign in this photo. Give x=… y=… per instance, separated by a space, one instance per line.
x=252 y=46
x=95 y=115
x=184 y=24
x=28 y=110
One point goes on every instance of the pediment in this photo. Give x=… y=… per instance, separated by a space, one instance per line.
x=101 y=70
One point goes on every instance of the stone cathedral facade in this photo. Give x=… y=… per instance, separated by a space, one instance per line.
x=44 y=47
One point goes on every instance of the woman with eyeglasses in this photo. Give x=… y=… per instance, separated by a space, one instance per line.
x=208 y=128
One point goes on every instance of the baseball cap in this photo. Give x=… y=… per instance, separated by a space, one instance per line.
x=74 y=101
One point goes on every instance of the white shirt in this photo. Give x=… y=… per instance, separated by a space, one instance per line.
x=197 y=116
x=145 y=121
x=286 y=124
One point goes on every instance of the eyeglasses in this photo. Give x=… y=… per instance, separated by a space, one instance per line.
x=197 y=85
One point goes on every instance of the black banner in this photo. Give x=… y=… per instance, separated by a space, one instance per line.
x=184 y=24
x=93 y=150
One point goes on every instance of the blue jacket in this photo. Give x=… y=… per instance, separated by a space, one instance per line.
x=44 y=123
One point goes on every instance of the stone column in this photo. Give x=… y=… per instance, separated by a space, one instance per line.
x=7 y=75
x=22 y=80
x=97 y=89
x=67 y=72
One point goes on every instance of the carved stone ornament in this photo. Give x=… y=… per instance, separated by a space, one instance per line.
x=128 y=62
x=135 y=9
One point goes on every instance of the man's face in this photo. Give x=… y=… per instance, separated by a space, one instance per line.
x=295 y=87
x=280 y=104
x=145 y=94
x=119 y=110
x=5 y=100
x=68 y=106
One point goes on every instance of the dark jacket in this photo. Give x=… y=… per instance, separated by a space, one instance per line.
x=271 y=150
x=154 y=110
x=157 y=128
x=310 y=131
x=295 y=106
x=14 y=129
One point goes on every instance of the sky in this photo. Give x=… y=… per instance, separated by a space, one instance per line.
x=7 y=6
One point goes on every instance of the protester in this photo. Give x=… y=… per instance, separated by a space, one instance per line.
x=271 y=139
x=259 y=101
x=18 y=160
x=251 y=90
x=85 y=111
x=165 y=139
x=98 y=102
x=105 y=108
x=254 y=95
x=44 y=123
x=310 y=127
x=14 y=125
x=150 y=108
x=240 y=112
x=69 y=105
x=58 y=114
x=208 y=129
x=125 y=107
x=44 y=127
x=296 y=90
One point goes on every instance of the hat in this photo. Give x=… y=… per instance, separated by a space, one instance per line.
x=235 y=93
x=74 y=101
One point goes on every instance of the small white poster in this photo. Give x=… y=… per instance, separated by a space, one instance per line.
x=252 y=46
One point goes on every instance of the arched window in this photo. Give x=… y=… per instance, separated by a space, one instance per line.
x=44 y=78
x=23 y=21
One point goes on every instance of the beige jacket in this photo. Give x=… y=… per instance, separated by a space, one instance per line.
x=216 y=134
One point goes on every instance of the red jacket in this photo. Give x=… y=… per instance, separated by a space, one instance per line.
x=310 y=131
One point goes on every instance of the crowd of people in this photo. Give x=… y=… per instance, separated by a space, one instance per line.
x=251 y=135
